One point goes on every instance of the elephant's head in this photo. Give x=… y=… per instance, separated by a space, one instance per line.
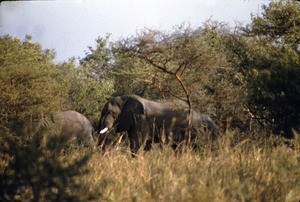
x=120 y=111
x=109 y=114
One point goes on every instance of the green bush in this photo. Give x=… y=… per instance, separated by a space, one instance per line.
x=29 y=84
x=266 y=53
x=31 y=87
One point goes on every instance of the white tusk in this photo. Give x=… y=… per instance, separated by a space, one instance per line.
x=103 y=130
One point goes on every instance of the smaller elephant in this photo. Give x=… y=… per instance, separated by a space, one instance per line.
x=71 y=125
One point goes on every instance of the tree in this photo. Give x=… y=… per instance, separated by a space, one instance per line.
x=89 y=82
x=267 y=53
x=29 y=84
x=180 y=64
x=30 y=87
x=99 y=60
x=86 y=93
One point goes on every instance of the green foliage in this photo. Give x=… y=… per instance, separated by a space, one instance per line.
x=86 y=93
x=99 y=60
x=89 y=85
x=30 y=87
x=279 y=23
x=180 y=63
x=29 y=83
x=267 y=54
x=134 y=76
x=252 y=72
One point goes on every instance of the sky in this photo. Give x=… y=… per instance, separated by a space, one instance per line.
x=69 y=27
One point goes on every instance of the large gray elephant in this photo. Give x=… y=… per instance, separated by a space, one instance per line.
x=71 y=125
x=147 y=121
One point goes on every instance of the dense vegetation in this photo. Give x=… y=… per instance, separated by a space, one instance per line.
x=247 y=79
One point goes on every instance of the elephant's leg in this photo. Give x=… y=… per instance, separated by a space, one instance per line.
x=178 y=138
x=148 y=145
x=149 y=139
x=174 y=146
x=142 y=133
x=133 y=147
x=134 y=141
x=168 y=135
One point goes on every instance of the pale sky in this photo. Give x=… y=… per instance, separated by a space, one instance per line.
x=69 y=27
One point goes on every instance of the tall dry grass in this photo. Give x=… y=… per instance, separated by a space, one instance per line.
x=226 y=170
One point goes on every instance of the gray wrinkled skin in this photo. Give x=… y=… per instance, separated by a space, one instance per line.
x=72 y=125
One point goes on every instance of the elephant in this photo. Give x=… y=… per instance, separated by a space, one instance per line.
x=204 y=121
x=147 y=121
x=71 y=125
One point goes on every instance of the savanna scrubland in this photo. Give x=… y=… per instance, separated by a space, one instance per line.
x=246 y=78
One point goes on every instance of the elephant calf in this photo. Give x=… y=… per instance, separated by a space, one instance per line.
x=72 y=125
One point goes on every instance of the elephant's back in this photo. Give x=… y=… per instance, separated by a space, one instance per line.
x=163 y=114
x=73 y=123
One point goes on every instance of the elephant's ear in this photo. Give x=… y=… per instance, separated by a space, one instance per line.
x=127 y=117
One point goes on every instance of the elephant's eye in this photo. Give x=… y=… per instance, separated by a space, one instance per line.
x=113 y=114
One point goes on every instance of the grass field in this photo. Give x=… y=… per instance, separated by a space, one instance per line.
x=226 y=170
